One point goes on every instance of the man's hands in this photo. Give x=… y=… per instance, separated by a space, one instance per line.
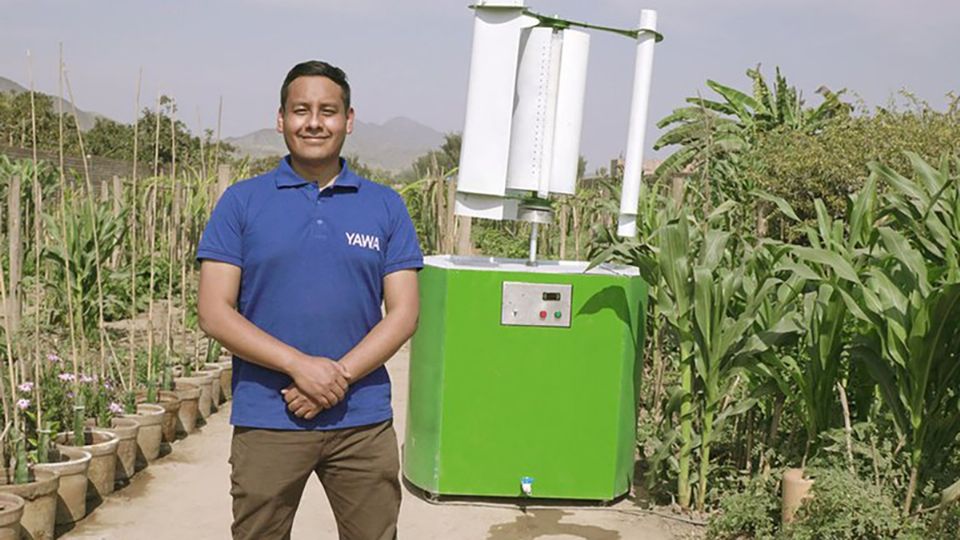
x=318 y=384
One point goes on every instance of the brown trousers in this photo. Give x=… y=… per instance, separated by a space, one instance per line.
x=358 y=467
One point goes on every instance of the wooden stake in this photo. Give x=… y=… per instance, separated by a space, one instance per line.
x=10 y=359
x=63 y=227
x=223 y=180
x=564 y=212
x=16 y=253
x=185 y=254
x=38 y=247
x=151 y=231
x=216 y=149
x=135 y=203
x=98 y=262
x=156 y=141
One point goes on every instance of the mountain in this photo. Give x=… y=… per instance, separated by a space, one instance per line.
x=392 y=146
x=84 y=118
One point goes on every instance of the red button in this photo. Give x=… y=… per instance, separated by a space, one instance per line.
x=543 y=314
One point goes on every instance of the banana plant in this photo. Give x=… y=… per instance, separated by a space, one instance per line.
x=713 y=136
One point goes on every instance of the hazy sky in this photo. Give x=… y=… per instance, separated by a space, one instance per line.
x=411 y=58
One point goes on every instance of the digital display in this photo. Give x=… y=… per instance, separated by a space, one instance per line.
x=551 y=297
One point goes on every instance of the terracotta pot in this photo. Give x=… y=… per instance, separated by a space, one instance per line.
x=216 y=394
x=102 y=446
x=170 y=402
x=217 y=369
x=205 y=382
x=796 y=488
x=71 y=464
x=226 y=378
x=40 y=503
x=150 y=418
x=126 y=430
x=11 y=510
x=189 y=395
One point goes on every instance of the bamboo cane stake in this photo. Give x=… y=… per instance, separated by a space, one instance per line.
x=97 y=262
x=63 y=227
x=171 y=247
x=131 y=381
x=216 y=150
x=151 y=231
x=203 y=158
x=156 y=141
x=183 y=255
x=10 y=359
x=38 y=247
x=14 y=239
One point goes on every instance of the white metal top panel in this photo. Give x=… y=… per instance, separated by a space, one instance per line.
x=455 y=262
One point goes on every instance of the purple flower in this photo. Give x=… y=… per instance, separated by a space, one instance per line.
x=53 y=357
x=26 y=387
x=107 y=385
x=70 y=395
x=66 y=377
x=22 y=404
x=86 y=379
x=115 y=408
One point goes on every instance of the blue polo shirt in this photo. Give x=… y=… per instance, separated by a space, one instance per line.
x=312 y=267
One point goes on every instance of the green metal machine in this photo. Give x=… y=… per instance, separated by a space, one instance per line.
x=524 y=375
x=523 y=380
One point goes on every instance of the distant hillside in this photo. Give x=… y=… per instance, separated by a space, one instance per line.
x=84 y=118
x=392 y=146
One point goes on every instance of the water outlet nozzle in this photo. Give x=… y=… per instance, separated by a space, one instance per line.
x=526 y=485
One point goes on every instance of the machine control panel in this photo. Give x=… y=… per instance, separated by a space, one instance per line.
x=536 y=304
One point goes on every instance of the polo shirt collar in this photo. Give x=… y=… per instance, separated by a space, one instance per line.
x=285 y=176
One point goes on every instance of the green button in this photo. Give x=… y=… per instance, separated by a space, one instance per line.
x=557 y=314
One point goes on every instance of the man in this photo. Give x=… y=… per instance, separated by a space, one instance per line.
x=295 y=264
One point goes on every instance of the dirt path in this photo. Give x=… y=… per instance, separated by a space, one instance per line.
x=185 y=496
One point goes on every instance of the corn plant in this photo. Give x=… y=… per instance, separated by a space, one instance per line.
x=911 y=339
x=826 y=276
x=79 y=257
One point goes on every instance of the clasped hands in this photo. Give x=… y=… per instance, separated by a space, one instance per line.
x=318 y=384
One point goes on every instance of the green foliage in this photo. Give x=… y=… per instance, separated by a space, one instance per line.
x=715 y=138
x=753 y=512
x=508 y=239
x=16 y=127
x=845 y=507
x=78 y=254
x=156 y=136
x=832 y=163
x=445 y=158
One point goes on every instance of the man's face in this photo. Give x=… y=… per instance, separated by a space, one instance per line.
x=313 y=121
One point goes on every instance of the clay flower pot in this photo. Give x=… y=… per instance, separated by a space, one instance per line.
x=102 y=446
x=216 y=394
x=189 y=395
x=126 y=430
x=205 y=382
x=170 y=402
x=150 y=418
x=72 y=465
x=226 y=377
x=11 y=509
x=40 y=503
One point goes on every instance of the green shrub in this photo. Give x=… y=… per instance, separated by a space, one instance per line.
x=752 y=513
x=845 y=507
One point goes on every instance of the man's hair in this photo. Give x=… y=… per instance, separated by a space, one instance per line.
x=317 y=68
